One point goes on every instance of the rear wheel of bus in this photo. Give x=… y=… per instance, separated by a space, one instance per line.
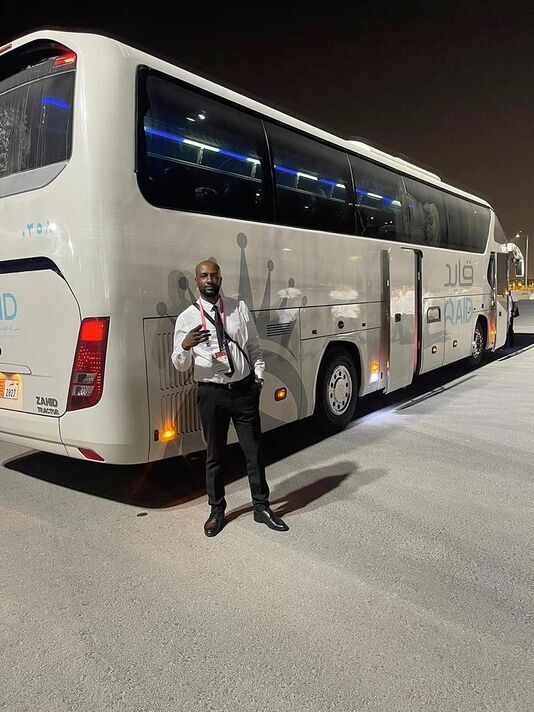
x=337 y=391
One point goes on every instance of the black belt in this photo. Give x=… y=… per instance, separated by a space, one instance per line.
x=232 y=385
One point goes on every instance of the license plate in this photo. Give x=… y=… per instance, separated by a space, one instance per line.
x=9 y=389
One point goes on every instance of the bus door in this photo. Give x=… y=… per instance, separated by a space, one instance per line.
x=402 y=287
x=500 y=298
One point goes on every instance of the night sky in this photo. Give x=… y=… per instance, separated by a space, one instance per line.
x=446 y=84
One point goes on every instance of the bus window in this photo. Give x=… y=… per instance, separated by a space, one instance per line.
x=428 y=217
x=499 y=233
x=36 y=95
x=491 y=271
x=502 y=274
x=380 y=201
x=312 y=183
x=468 y=224
x=200 y=155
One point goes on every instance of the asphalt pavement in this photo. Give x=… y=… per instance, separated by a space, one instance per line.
x=404 y=583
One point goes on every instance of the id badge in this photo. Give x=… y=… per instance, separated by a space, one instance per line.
x=220 y=363
x=204 y=352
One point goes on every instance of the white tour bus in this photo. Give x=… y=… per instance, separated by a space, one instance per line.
x=119 y=172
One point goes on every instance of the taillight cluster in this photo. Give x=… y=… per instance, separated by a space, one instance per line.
x=87 y=380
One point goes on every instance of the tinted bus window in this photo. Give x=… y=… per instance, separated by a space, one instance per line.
x=380 y=201
x=35 y=118
x=427 y=214
x=199 y=155
x=499 y=233
x=313 y=186
x=502 y=273
x=468 y=224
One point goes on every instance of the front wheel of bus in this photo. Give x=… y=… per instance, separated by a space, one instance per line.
x=337 y=391
x=478 y=346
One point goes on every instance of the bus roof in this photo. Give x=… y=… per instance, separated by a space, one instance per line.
x=84 y=39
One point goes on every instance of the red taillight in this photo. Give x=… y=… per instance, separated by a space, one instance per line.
x=87 y=380
x=93 y=330
x=65 y=59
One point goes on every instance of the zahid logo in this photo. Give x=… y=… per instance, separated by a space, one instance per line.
x=8 y=306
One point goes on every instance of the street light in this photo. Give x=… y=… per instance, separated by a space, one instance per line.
x=520 y=233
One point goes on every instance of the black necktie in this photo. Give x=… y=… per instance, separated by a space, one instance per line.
x=223 y=345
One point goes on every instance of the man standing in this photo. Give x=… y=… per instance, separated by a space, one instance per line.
x=220 y=335
x=513 y=311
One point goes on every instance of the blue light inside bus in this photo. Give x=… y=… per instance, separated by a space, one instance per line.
x=282 y=169
x=164 y=134
x=285 y=170
x=181 y=139
x=330 y=182
x=55 y=102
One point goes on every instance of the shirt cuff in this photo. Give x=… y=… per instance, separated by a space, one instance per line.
x=181 y=359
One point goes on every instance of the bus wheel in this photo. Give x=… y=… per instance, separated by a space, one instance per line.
x=337 y=391
x=477 y=348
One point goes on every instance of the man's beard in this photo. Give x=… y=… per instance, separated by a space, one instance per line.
x=210 y=290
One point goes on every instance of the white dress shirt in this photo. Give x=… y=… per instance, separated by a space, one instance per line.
x=239 y=324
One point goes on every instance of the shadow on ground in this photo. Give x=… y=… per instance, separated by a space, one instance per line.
x=177 y=481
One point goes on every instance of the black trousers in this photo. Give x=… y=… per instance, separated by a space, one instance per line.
x=217 y=406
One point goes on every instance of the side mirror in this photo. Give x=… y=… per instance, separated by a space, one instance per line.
x=516 y=256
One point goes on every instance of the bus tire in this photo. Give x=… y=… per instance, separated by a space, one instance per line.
x=478 y=346
x=337 y=391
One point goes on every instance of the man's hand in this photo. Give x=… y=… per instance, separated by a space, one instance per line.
x=195 y=337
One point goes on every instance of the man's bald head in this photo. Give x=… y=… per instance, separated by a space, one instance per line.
x=207 y=266
x=208 y=280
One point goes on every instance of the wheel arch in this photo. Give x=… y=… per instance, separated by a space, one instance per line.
x=483 y=319
x=352 y=349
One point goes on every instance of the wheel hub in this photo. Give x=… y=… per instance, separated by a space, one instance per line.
x=477 y=343
x=339 y=390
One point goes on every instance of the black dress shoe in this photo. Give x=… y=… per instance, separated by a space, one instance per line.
x=265 y=516
x=214 y=524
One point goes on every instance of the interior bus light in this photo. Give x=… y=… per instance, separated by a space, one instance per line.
x=285 y=170
x=55 y=102
x=205 y=146
x=64 y=60
x=5 y=47
x=280 y=394
x=163 y=134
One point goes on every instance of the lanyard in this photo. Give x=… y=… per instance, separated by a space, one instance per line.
x=226 y=334
x=221 y=312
